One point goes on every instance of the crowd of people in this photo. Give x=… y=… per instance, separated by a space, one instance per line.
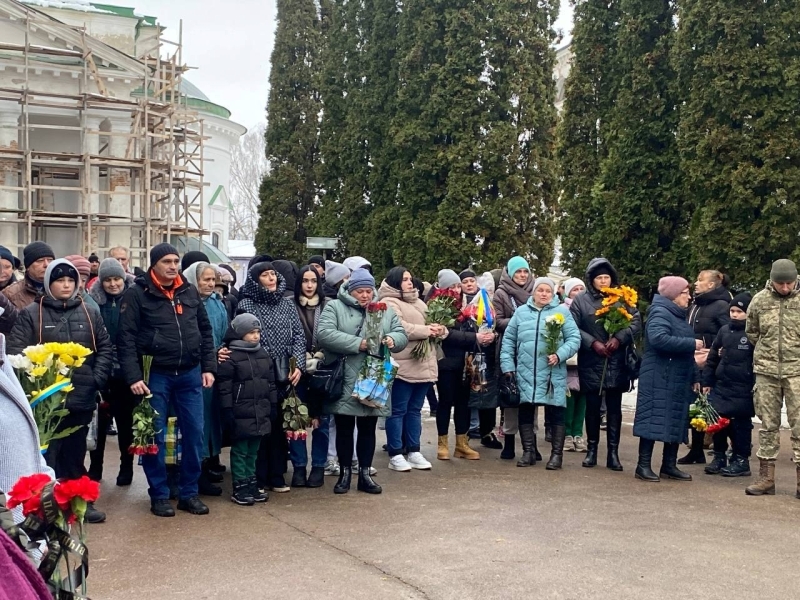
x=225 y=358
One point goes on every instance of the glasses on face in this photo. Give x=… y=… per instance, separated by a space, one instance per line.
x=686 y=293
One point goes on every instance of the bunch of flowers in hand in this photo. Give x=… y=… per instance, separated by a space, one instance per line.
x=45 y=374
x=295 y=413
x=373 y=385
x=442 y=310
x=552 y=340
x=615 y=314
x=144 y=419
x=704 y=417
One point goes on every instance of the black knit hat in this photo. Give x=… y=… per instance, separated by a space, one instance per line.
x=93 y=258
x=742 y=301
x=257 y=269
x=192 y=257
x=36 y=250
x=159 y=251
x=467 y=273
x=317 y=260
x=5 y=253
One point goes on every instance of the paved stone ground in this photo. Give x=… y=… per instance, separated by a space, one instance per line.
x=467 y=529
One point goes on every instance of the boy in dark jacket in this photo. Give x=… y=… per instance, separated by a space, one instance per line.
x=248 y=399
x=728 y=376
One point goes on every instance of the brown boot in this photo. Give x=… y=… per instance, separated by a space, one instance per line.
x=442 y=453
x=765 y=486
x=463 y=450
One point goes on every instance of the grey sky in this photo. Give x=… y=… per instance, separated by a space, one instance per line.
x=230 y=44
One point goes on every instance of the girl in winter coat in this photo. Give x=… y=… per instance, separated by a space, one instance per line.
x=282 y=336
x=514 y=290
x=576 y=401
x=109 y=287
x=61 y=316
x=541 y=378
x=341 y=334
x=729 y=379
x=414 y=376
x=668 y=380
x=601 y=359
x=249 y=404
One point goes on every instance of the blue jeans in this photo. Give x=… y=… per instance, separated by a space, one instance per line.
x=185 y=393
x=406 y=419
x=298 y=451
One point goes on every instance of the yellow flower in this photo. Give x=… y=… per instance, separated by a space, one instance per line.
x=39 y=355
x=79 y=362
x=38 y=371
x=68 y=389
x=77 y=350
x=601 y=311
x=55 y=347
x=699 y=424
x=67 y=360
x=626 y=314
x=558 y=318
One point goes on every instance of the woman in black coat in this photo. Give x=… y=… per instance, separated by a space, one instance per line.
x=597 y=348
x=668 y=380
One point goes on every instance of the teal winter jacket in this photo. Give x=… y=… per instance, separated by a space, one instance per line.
x=523 y=352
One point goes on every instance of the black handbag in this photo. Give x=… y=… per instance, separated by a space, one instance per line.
x=508 y=396
x=327 y=382
x=632 y=362
x=281 y=366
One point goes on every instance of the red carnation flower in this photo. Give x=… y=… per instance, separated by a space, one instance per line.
x=152 y=449
x=84 y=488
x=27 y=493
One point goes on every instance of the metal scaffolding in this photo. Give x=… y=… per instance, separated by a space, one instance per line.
x=148 y=179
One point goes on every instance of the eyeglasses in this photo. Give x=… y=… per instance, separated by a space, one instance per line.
x=686 y=293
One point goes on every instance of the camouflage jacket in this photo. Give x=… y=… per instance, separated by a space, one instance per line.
x=773 y=327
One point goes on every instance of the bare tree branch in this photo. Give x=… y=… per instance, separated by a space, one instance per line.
x=248 y=167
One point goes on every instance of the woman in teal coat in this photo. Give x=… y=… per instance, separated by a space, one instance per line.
x=541 y=378
x=342 y=333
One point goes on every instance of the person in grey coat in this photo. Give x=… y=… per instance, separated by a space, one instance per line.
x=341 y=333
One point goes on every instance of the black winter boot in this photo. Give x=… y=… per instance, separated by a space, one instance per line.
x=125 y=476
x=527 y=437
x=557 y=452
x=739 y=467
x=490 y=441
x=299 y=477
x=643 y=469
x=695 y=456
x=592 y=439
x=669 y=469
x=720 y=462
x=242 y=495
x=366 y=483
x=206 y=488
x=613 y=432
x=536 y=452
x=257 y=495
x=509 y=447
x=343 y=485
x=316 y=478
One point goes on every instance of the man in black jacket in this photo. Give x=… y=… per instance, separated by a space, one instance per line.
x=163 y=317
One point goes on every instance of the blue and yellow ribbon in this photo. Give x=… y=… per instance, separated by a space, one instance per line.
x=49 y=391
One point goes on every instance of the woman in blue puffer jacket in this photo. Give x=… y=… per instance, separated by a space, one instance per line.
x=541 y=378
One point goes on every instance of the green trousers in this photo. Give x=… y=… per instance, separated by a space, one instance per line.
x=576 y=412
x=243 y=458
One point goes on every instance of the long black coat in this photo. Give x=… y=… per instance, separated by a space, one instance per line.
x=709 y=313
x=729 y=372
x=667 y=375
x=246 y=385
x=68 y=321
x=590 y=364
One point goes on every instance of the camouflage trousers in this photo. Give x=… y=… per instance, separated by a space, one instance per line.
x=770 y=393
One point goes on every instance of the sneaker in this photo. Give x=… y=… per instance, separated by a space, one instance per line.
x=279 y=488
x=373 y=471
x=162 y=508
x=399 y=463
x=258 y=493
x=417 y=461
x=242 y=494
x=580 y=444
x=193 y=505
x=569 y=444
x=332 y=468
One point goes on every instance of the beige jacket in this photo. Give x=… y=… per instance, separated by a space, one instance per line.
x=411 y=312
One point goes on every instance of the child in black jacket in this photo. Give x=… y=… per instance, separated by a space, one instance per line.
x=248 y=398
x=728 y=375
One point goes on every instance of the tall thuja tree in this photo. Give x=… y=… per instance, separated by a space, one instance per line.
x=289 y=189
x=739 y=72
x=639 y=188
x=589 y=95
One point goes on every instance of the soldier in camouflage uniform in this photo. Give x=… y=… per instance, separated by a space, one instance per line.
x=773 y=326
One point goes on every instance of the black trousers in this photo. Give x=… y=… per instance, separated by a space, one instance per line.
x=555 y=415
x=273 y=454
x=365 y=445
x=486 y=420
x=594 y=406
x=433 y=401
x=453 y=395
x=740 y=433
x=121 y=402
x=66 y=456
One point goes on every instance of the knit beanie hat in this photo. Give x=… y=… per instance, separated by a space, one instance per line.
x=783 y=271
x=83 y=265
x=671 y=287
x=257 y=269
x=570 y=284
x=359 y=279
x=192 y=257
x=546 y=281
x=356 y=262
x=335 y=272
x=110 y=267
x=317 y=260
x=515 y=264
x=244 y=324
x=741 y=301
x=446 y=278
x=159 y=251
x=36 y=250
x=5 y=254
x=466 y=274
x=93 y=258
x=230 y=270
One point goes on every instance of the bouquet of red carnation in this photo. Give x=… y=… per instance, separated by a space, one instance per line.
x=295 y=413
x=144 y=419
x=442 y=310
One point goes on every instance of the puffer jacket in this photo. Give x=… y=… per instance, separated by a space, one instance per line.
x=591 y=364
x=411 y=311
x=22 y=293
x=523 y=353
x=246 y=385
x=508 y=298
x=109 y=307
x=773 y=326
x=337 y=337
x=709 y=313
x=152 y=325
x=667 y=374
x=729 y=372
x=9 y=314
x=49 y=320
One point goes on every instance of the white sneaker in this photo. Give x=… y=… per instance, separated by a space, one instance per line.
x=398 y=463
x=373 y=471
x=331 y=468
x=417 y=461
x=569 y=444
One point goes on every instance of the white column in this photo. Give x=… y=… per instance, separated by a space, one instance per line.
x=10 y=171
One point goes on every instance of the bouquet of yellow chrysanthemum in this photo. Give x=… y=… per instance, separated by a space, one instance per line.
x=552 y=333
x=45 y=373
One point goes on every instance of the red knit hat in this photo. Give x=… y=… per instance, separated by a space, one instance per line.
x=82 y=264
